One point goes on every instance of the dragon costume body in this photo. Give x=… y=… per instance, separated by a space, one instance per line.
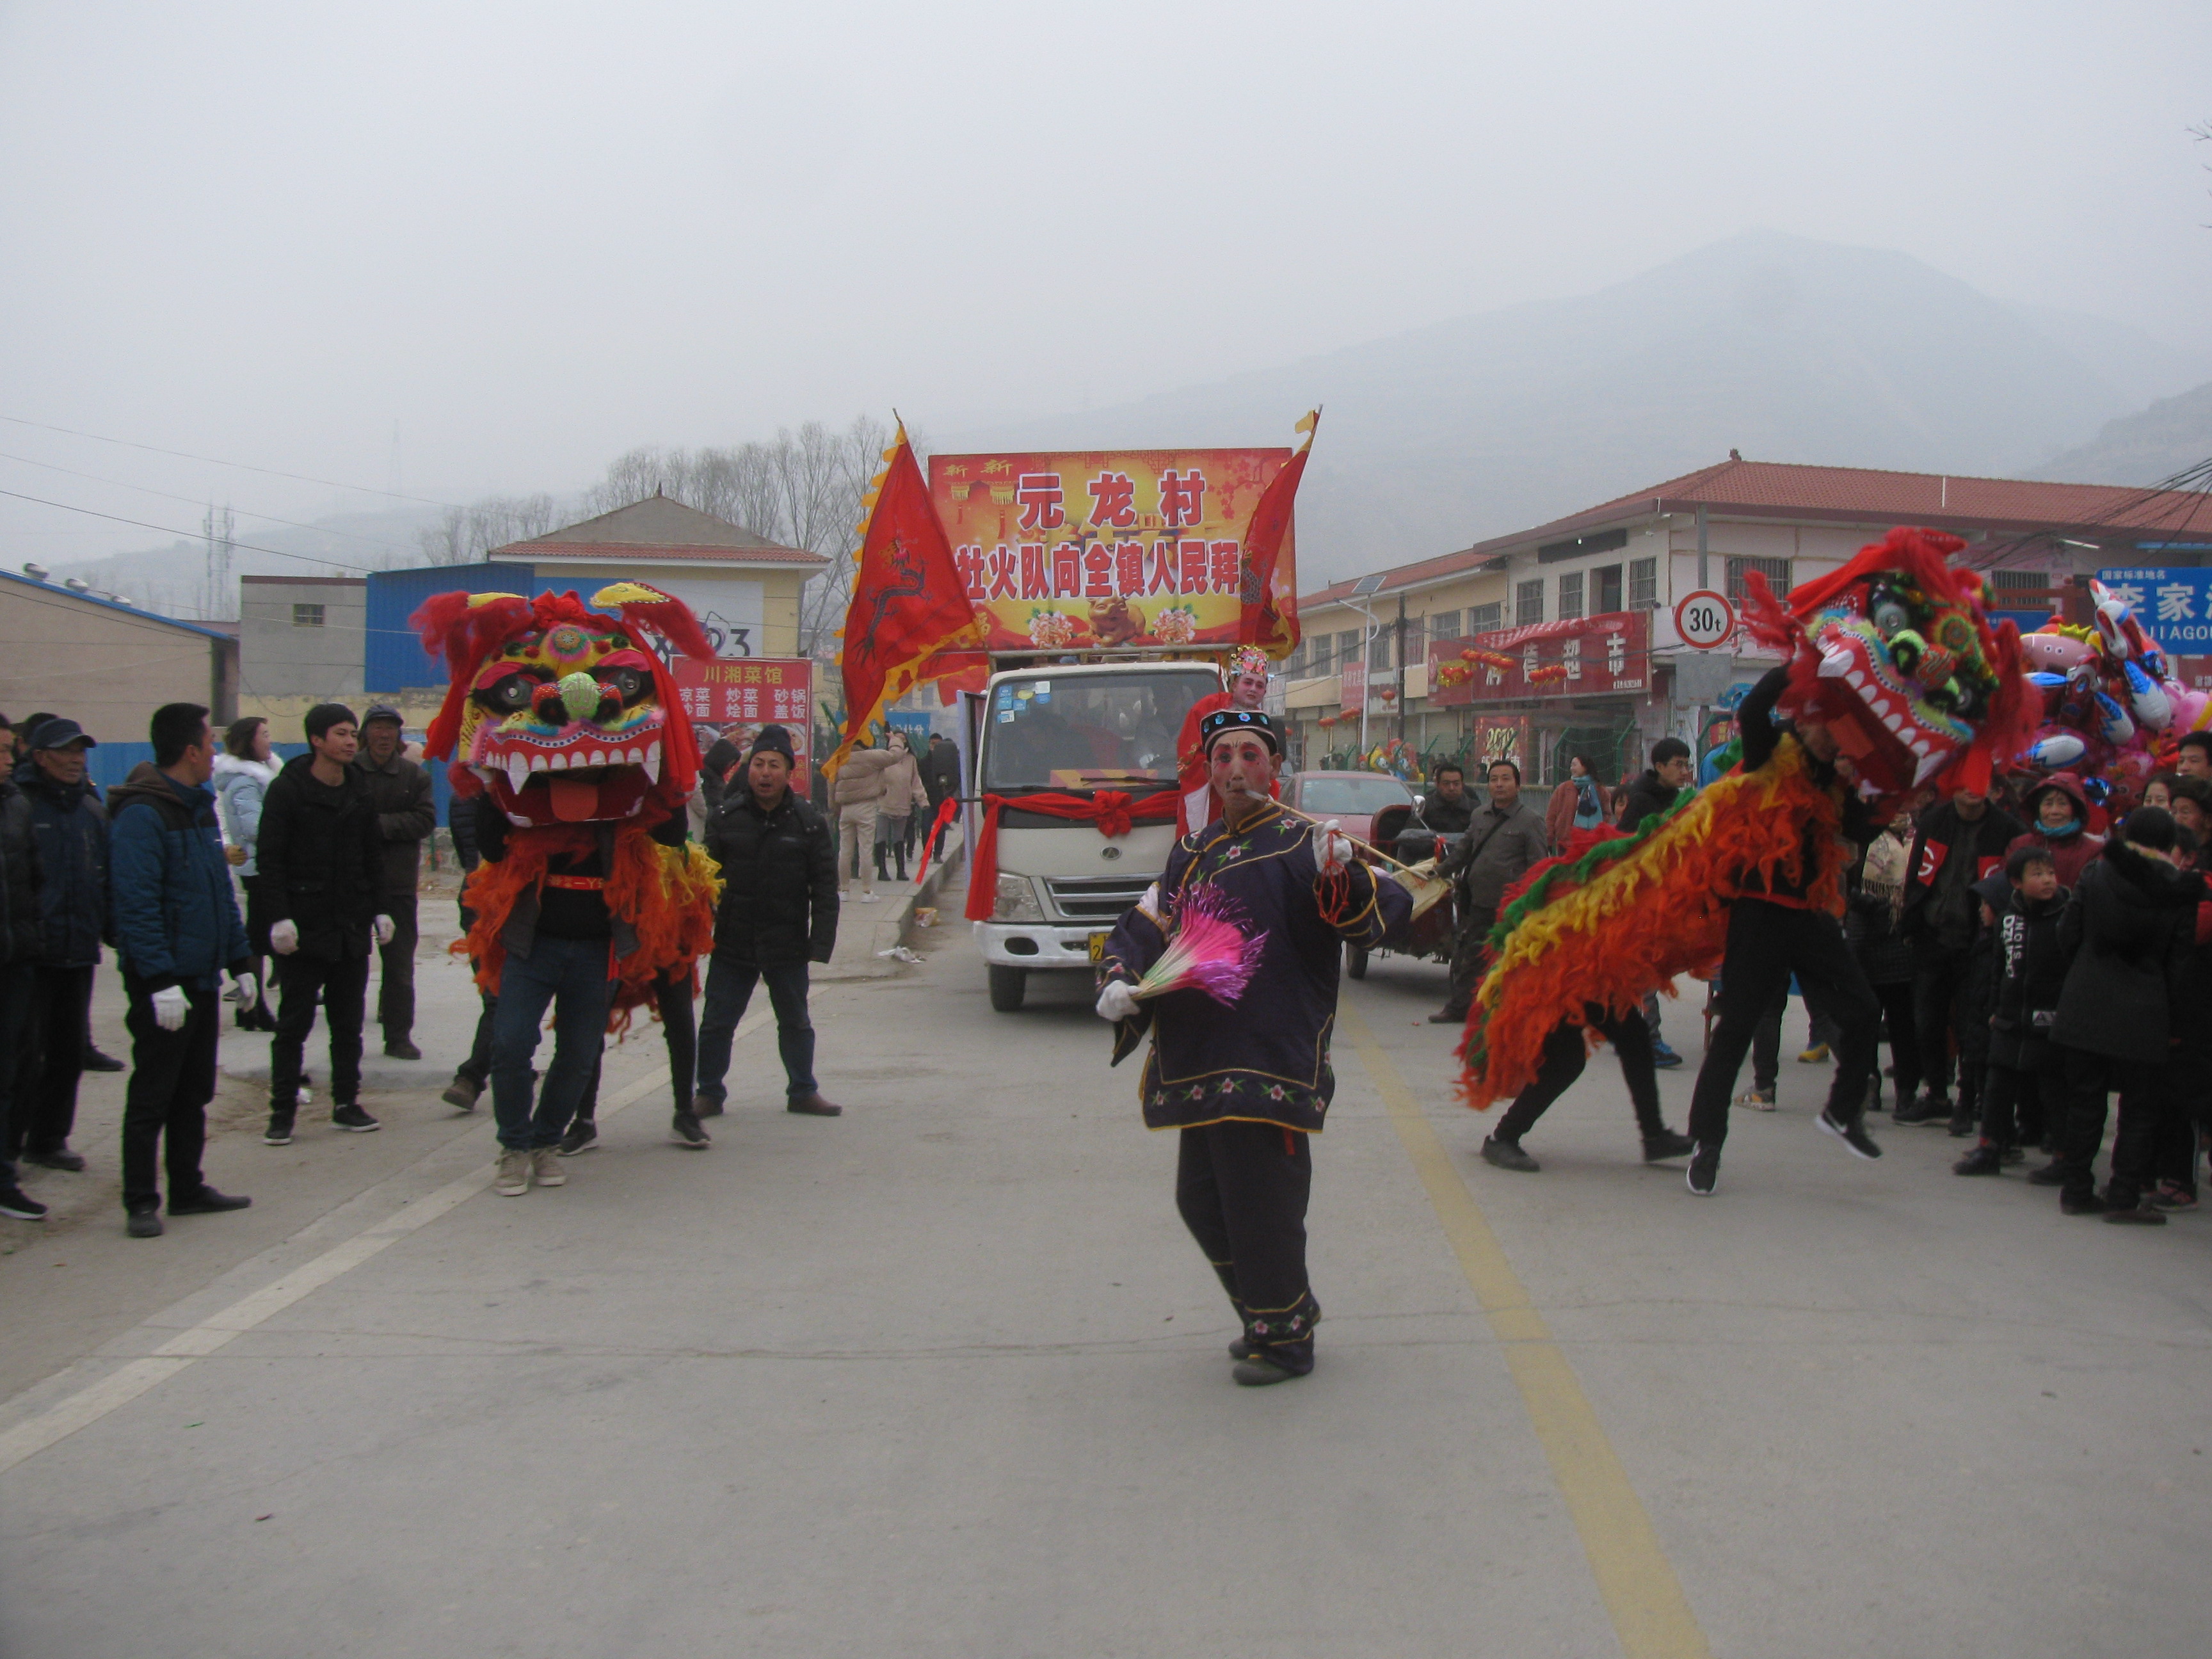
x=569 y=718
x=1893 y=654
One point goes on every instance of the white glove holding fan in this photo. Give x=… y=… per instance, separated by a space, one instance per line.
x=1117 y=1002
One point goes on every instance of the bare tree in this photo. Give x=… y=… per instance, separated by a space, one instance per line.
x=463 y=535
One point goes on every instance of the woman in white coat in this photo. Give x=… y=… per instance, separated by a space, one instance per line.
x=243 y=773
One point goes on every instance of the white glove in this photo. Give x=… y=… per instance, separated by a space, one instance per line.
x=284 y=938
x=1336 y=848
x=1117 y=1002
x=171 y=1005
x=385 y=930
x=249 y=992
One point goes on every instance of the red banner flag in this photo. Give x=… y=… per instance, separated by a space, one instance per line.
x=1275 y=626
x=909 y=602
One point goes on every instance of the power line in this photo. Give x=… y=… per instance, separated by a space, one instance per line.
x=181 y=535
x=212 y=460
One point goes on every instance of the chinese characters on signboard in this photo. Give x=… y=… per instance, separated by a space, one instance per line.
x=1105 y=549
x=2172 y=602
x=1602 y=656
x=758 y=691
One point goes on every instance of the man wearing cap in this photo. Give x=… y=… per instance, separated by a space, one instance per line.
x=71 y=827
x=1248 y=1084
x=405 y=815
x=778 y=913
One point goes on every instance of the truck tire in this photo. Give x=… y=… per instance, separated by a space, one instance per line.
x=1008 y=984
x=1355 y=962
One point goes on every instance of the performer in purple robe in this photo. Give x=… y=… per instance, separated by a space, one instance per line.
x=1248 y=1084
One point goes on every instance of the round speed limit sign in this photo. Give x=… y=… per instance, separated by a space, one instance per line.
x=1704 y=619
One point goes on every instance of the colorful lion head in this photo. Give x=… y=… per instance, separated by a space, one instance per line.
x=1894 y=652
x=565 y=714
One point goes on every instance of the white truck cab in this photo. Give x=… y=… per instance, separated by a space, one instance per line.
x=1075 y=729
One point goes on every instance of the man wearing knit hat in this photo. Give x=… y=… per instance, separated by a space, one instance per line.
x=779 y=912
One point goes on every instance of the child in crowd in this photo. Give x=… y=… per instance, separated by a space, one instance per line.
x=2023 y=1098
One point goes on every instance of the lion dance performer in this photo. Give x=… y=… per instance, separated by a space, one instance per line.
x=1895 y=681
x=1247 y=674
x=570 y=743
x=1248 y=1085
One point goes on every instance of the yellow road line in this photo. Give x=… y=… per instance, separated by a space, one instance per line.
x=1649 y=1613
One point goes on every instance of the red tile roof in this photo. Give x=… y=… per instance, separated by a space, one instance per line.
x=657 y=529
x=1849 y=495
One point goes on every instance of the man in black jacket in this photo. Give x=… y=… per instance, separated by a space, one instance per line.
x=2130 y=931
x=405 y=814
x=1447 y=809
x=71 y=826
x=20 y=885
x=321 y=859
x=779 y=912
x=1955 y=845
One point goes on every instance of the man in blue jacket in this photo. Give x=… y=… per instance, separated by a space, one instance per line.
x=71 y=827
x=179 y=936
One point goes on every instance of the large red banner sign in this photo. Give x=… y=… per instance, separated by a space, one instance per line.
x=1602 y=656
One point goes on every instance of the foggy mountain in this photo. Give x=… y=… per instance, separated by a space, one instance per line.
x=1787 y=348
x=2146 y=448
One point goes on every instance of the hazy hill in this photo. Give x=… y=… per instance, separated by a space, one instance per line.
x=2147 y=448
x=1786 y=349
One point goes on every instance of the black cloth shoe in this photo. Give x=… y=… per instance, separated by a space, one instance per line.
x=462 y=1093
x=813 y=1106
x=206 y=1201
x=58 y=1158
x=706 y=1106
x=1666 y=1145
x=350 y=1116
x=1445 y=1017
x=279 y=1132
x=1259 y=1371
x=583 y=1134
x=1852 y=1134
x=1508 y=1155
x=96 y=1061
x=1965 y=1121
x=1929 y=1109
x=684 y=1129
x=142 y=1223
x=1704 y=1171
x=1984 y=1160
x=2052 y=1174
x=2134 y=1215
x=19 y=1204
x=399 y=1047
x=2082 y=1204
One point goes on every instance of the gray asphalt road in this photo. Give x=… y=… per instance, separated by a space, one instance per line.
x=945 y=1376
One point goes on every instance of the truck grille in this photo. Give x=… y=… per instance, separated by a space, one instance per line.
x=1095 y=898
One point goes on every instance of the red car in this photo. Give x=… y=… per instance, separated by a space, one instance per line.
x=1352 y=798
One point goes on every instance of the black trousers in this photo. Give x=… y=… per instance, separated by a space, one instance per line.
x=14 y=1006
x=1899 y=1018
x=56 y=1023
x=343 y=986
x=2189 y=1084
x=1565 y=1053
x=1476 y=922
x=1242 y=1190
x=1766 y=944
x=679 y=1024
x=2020 y=1103
x=1938 y=976
x=165 y=1105
x=395 y=995
x=2145 y=1104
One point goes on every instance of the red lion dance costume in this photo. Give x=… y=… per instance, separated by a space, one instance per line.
x=571 y=721
x=1895 y=653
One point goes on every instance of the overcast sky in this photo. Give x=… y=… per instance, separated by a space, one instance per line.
x=533 y=235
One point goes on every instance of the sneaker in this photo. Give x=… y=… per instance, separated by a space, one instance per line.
x=513 y=1177
x=2171 y=1195
x=350 y=1116
x=1508 y=1155
x=58 y=1158
x=1666 y=1145
x=545 y=1167
x=142 y=1223
x=870 y=898
x=401 y=1049
x=2082 y=1204
x=684 y=1129
x=1929 y=1109
x=1852 y=1134
x=2134 y=1215
x=1984 y=1160
x=1815 y=1055
x=2052 y=1174
x=583 y=1134
x=207 y=1201
x=462 y=1093
x=706 y=1106
x=1663 y=1057
x=16 y=1203
x=1704 y=1172
x=279 y=1132
x=1759 y=1100
x=96 y=1061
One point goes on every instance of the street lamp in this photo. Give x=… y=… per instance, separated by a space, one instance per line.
x=1364 y=588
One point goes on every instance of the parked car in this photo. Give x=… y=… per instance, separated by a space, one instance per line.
x=1352 y=798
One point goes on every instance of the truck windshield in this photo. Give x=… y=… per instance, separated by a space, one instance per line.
x=1089 y=731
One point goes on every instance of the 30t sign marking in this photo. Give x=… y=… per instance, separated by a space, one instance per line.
x=1704 y=619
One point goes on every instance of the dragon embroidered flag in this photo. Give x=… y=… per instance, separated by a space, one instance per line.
x=908 y=604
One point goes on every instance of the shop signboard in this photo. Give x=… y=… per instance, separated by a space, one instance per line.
x=1602 y=656
x=2174 y=603
x=755 y=691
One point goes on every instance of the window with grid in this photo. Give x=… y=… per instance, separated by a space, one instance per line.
x=1643 y=584
x=1294 y=665
x=1347 y=647
x=1322 y=658
x=1378 y=651
x=1605 y=591
x=1444 y=625
x=1528 y=602
x=1571 y=595
x=1776 y=572
x=2013 y=583
x=1486 y=618
x=307 y=616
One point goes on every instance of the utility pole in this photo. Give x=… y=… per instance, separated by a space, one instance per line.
x=1401 y=668
x=220 y=536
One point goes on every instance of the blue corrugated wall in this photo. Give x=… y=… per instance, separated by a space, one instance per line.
x=394 y=659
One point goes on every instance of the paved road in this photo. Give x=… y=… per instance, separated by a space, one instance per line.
x=944 y=1377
